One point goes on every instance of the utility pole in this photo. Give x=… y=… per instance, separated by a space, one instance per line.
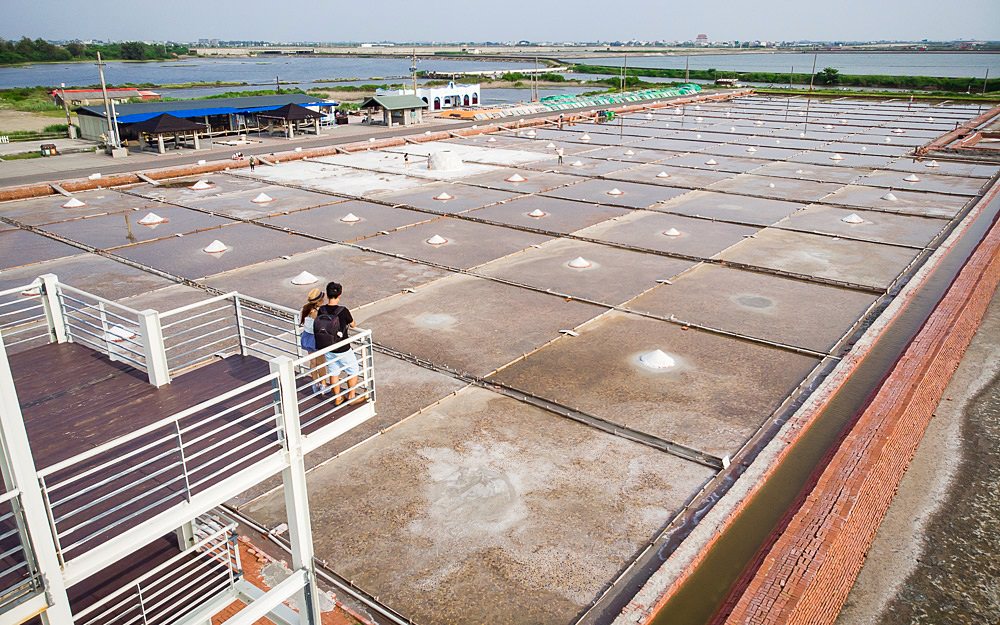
x=413 y=72
x=986 y=79
x=790 y=75
x=108 y=112
x=277 y=85
x=812 y=77
x=686 y=59
x=70 y=130
x=624 y=73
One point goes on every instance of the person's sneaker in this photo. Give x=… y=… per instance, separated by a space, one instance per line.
x=317 y=388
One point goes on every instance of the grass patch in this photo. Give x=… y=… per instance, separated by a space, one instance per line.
x=23 y=156
x=828 y=76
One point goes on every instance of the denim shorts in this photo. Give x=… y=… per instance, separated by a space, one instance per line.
x=342 y=361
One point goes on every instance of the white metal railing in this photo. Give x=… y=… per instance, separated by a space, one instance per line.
x=18 y=576
x=166 y=594
x=199 y=332
x=103 y=325
x=323 y=391
x=105 y=491
x=23 y=316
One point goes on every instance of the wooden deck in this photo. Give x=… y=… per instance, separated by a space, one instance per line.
x=74 y=399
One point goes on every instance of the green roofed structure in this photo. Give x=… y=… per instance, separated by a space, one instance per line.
x=404 y=110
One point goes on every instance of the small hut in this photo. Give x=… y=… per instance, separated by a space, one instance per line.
x=404 y=110
x=289 y=119
x=165 y=124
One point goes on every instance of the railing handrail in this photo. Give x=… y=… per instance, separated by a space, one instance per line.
x=65 y=287
x=156 y=571
x=9 y=495
x=37 y=282
x=204 y=302
x=359 y=336
x=261 y=302
x=115 y=442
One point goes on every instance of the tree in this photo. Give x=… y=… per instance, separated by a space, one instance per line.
x=76 y=48
x=829 y=76
x=133 y=50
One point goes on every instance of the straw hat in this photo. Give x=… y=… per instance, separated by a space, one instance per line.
x=315 y=295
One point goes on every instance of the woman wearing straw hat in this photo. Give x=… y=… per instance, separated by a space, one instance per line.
x=315 y=299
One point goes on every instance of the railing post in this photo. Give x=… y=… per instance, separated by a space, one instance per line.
x=239 y=325
x=153 y=349
x=53 y=308
x=18 y=467
x=293 y=479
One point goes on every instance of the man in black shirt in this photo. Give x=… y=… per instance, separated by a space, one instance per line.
x=340 y=359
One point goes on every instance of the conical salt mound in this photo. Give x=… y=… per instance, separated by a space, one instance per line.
x=657 y=359
x=912 y=178
x=932 y=164
x=216 y=247
x=898 y=131
x=888 y=139
x=585 y=137
x=579 y=263
x=828 y=127
x=262 y=198
x=74 y=203
x=836 y=157
x=537 y=213
x=711 y=161
x=663 y=174
x=732 y=129
x=437 y=239
x=515 y=178
x=770 y=185
x=672 y=232
x=304 y=278
x=201 y=185
x=649 y=116
x=800 y=171
x=629 y=153
x=697 y=107
x=550 y=145
x=151 y=219
x=751 y=149
x=491 y=140
x=443 y=196
x=853 y=218
x=890 y=197
x=531 y=133
x=350 y=218
x=616 y=191
x=576 y=164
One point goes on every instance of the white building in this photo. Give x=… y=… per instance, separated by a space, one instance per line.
x=447 y=97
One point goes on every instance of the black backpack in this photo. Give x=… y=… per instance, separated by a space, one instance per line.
x=327 y=327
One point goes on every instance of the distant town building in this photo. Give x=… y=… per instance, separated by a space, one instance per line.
x=701 y=40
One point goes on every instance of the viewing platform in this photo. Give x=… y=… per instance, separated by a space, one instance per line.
x=122 y=428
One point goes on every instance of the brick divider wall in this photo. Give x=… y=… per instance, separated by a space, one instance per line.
x=808 y=573
x=681 y=565
x=964 y=132
x=119 y=180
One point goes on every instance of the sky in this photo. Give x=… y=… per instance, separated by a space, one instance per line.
x=501 y=20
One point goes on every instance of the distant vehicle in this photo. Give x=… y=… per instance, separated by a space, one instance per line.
x=727 y=82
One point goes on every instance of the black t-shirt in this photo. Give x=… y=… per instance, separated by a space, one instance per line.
x=346 y=319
